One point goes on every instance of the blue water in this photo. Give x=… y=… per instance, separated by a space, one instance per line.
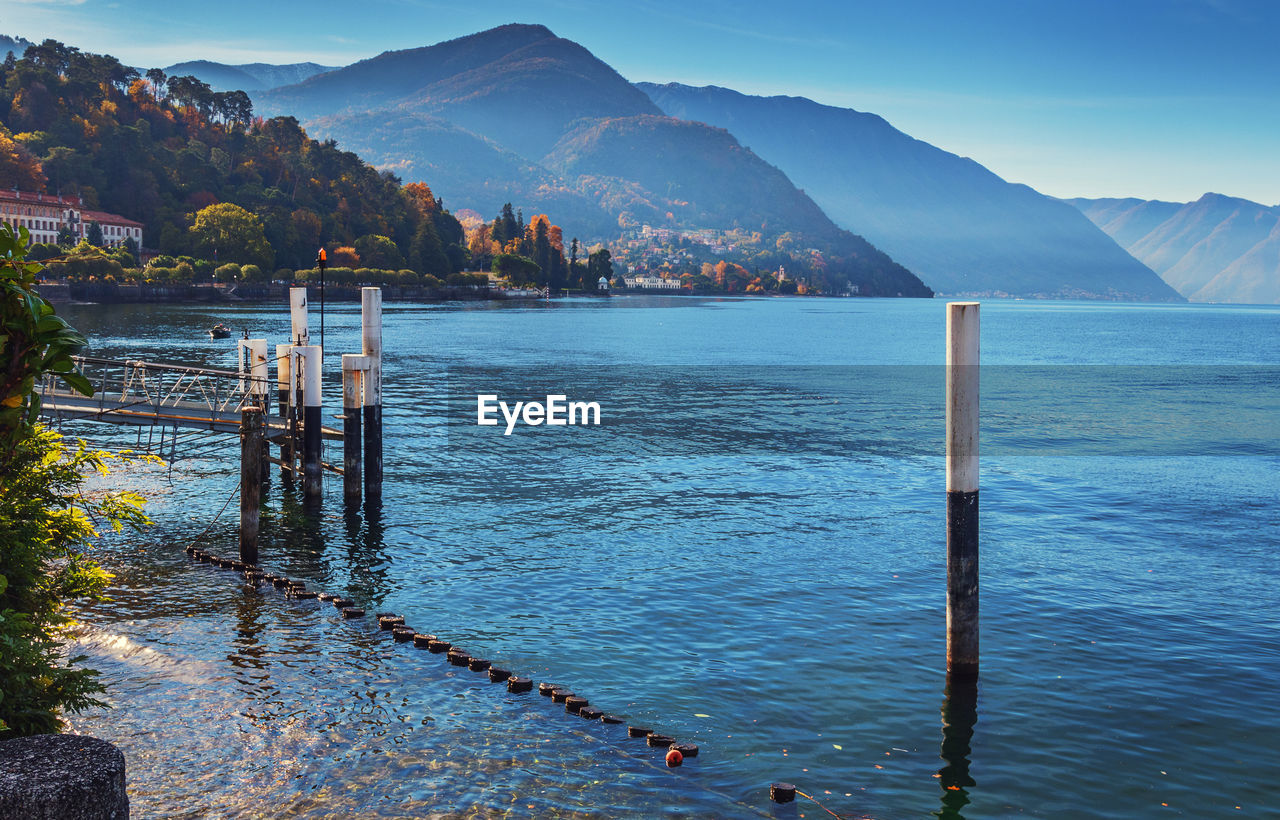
x=748 y=554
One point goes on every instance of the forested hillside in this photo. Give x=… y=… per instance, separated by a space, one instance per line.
x=160 y=149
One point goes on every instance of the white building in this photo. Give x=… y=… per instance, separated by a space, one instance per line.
x=44 y=215
x=653 y=283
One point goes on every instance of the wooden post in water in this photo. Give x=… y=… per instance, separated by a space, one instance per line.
x=285 y=394
x=353 y=370
x=371 y=347
x=311 y=437
x=300 y=335
x=284 y=377
x=250 y=481
x=260 y=375
x=962 y=489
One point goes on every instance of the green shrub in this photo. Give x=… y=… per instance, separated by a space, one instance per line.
x=46 y=519
x=48 y=522
x=229 y=272
x=252 y=273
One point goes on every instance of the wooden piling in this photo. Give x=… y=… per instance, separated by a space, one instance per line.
x=962 y=489
x=260 y=375
x=353 y=369
x=251 y=437
x=371 y=347
x=311 y=432
x=284 y=397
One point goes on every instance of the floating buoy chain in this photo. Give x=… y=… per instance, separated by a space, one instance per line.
x=675 y=753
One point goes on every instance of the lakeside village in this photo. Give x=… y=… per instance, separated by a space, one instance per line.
x=92 y=253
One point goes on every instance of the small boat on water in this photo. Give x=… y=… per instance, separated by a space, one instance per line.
x=219 y=331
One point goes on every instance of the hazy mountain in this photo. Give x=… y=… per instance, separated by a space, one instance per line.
x=17 y=45
x=246 y=77
x=518 y=85
x=699 y=174
x=1218 y=248
x=516 y=114
x=467 y=170
x=961 y=228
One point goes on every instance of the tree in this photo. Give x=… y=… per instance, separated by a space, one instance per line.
x=233 y=233
x=426 y=252
x=519 y=270
x=542 y=247
x=18 y=168
x=94 y=235
x=157 y=79
x=599 y=264
x=379 y=252
x=45 y=516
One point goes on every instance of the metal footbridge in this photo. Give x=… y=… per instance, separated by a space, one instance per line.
x=167 y=395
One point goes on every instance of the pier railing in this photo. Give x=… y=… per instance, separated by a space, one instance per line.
x=140 y=392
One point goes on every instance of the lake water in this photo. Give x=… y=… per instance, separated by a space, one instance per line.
x=747 y=554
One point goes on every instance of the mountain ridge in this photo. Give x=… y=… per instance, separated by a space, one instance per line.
x=1218 y=248
x=959 y=226
x=519 y=99
x=247 y=76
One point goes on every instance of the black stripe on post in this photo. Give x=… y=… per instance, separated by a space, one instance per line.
x=962 y=584
x=373 y=452
x=351 y=453
x=311 y=451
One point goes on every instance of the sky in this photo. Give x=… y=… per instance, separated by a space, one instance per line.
x=1157 y=99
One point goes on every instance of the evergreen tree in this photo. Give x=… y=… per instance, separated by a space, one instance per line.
x=426 y=254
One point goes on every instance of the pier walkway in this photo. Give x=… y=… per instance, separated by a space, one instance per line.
x=167 y=395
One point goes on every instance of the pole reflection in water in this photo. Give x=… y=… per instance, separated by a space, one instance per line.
x=368 y=561
x=959 y=715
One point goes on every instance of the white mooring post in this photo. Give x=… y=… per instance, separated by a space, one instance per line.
x=311 y=432
x=260 y=374
x=286 y=392
x=354 y=370
x=298 y=317
x=371 y=348
x=284 y=377
x=962 y=489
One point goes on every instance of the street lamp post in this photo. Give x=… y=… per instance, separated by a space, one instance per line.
x=321 y=259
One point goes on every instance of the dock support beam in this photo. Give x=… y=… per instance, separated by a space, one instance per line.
x=962 y=489
x=353 y=371
x=371 y=347
x=251 y=438
x=311 y=433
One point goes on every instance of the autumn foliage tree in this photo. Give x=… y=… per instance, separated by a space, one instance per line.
x=159 y=149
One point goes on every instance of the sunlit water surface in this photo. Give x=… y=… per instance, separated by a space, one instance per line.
x=748 y=555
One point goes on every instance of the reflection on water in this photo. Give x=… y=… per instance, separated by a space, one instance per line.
x=959 y=716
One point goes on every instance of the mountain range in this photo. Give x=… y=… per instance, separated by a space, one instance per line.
x=1216 y=249
x=517 y=114
x=248 y=76
x=956 y=224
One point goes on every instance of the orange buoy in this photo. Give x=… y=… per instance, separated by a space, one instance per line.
x=674 y=758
